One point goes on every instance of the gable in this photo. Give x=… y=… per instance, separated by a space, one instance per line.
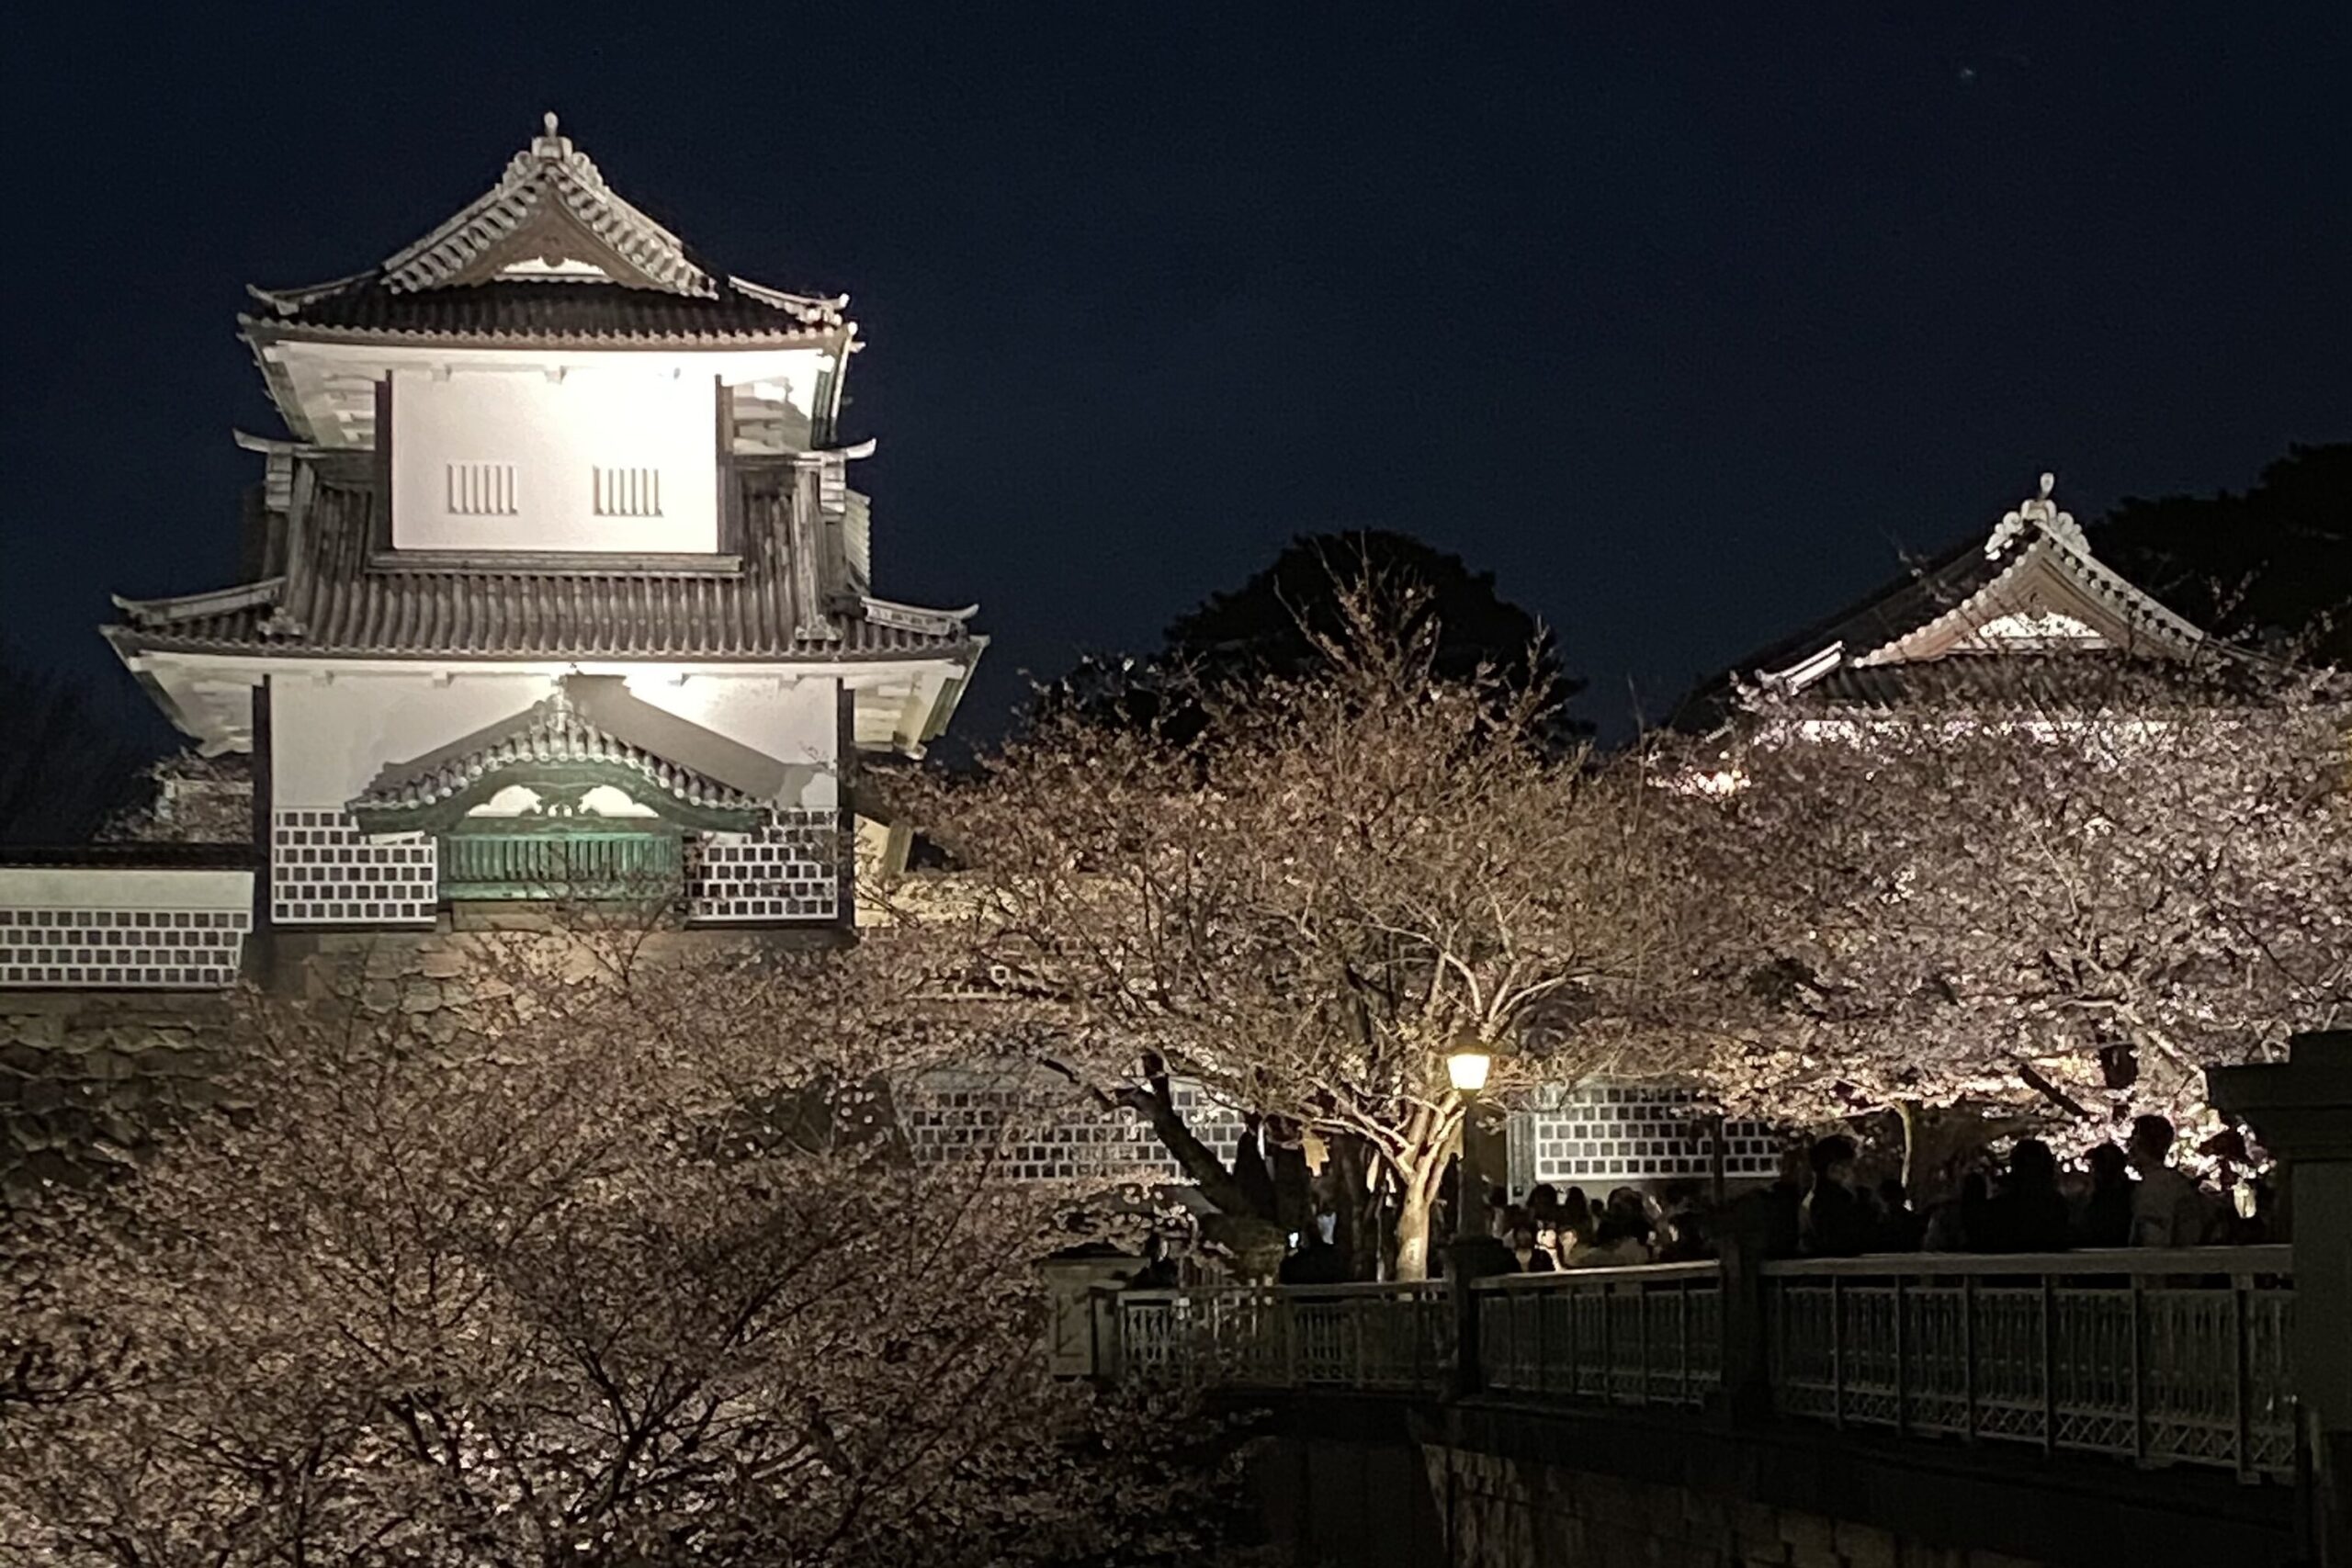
x=2043 y=603
x=550 y=215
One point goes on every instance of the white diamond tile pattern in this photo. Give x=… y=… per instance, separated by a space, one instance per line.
x=1620 y=1132
x=789 y=870
x=1056 y=1136
x=324 y=872
x=130 y=949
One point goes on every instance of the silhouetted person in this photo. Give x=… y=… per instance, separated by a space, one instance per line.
x=1900 y=1226
x=1499 y=1213
x=2029 y=1213
x=2107 y=1214
x=1835 y=1222
x=1956 y=1223
x=1158 y=1270
x=1617 y=1241
x=1250 y=1172
x=1527 y=1256
x=1576 y=1220
x=1783 y=1204
x=2167 y=1208
x=1317 y=1262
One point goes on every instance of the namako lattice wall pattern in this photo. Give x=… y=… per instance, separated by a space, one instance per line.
x=325 y=871
x=1046 y=1132
x=1621 y=1132
x=787 y=870
x=141 y=949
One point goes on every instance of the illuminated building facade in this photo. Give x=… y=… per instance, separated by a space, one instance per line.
x=556 y=585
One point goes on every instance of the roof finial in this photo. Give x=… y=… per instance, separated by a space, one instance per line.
x=2049 y=481
x=2040 y=513
x=549 y=120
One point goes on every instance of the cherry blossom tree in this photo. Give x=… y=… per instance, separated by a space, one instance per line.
x=630 y=1268
x=2058 y=891
x=188 y=798
x=1309 y=898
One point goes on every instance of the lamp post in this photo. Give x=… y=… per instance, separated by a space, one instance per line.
x=1466 y=1070
x=1474 y=1252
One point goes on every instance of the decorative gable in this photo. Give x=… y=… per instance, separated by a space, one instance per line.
x=550 y=215
x=556 y=761
x=2040 y=629
x=2032 y=589
x=2046 y=593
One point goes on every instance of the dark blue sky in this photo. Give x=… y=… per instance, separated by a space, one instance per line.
x=1683 y=319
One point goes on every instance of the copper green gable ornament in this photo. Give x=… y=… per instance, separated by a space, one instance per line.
x=553 y=806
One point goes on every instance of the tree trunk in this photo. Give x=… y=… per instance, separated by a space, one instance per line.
x=1413 y=1233
x=1251 y=1173
x=1418 y=1182
x=1355 y=1205
x=1907 y=1112
x=1195 y=1158
x=1293 y=1188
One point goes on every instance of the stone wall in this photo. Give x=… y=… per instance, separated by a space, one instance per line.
x=1370 y=1482
x=89 y=1079
x=1509 y=1515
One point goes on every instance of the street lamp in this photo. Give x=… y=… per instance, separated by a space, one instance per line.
x=1468 y=1069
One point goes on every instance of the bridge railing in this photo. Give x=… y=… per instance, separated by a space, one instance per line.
x=2178 y=1358
x=2162 y=1358
x=1646 y=1334
x=1377 y=1338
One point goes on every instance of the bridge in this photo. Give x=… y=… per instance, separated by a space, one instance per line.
x=2085 y=1407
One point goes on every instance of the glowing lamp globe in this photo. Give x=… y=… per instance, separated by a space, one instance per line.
x=1467 y=1070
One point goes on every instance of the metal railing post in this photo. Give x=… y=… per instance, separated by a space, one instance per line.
x=1682 y=1313
x=1542 y=1343
x=1837 y=1352
x=1575 y=1360
x=2139 y=1299
x=2240 y=1293
x=2049 y=1363
x=1641 y=1347
x=1607 y=1348
x=1468 y=1375
x=1902 y=1359
x=1968 y=1351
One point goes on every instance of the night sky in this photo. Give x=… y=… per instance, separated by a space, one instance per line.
x=1684 y=320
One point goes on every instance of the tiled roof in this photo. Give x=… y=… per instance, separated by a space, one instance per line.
x=1866 y=648
x=2038 y=680
x=336 y=600
x=542 y=311
x=133 y=856
x=550 y=253
x=549 y=731
x=548 y=174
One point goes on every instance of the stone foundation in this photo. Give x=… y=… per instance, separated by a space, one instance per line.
x=1507 y=1514
x=88 y=1080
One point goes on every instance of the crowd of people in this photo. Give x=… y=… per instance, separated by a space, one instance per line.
x=2133 y=1195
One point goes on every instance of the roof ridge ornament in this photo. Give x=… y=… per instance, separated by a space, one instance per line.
x=2040 y=513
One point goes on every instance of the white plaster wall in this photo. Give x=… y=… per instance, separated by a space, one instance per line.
x=124 y=887
x=329 y=740
x=555 y=433
x=794 y=721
